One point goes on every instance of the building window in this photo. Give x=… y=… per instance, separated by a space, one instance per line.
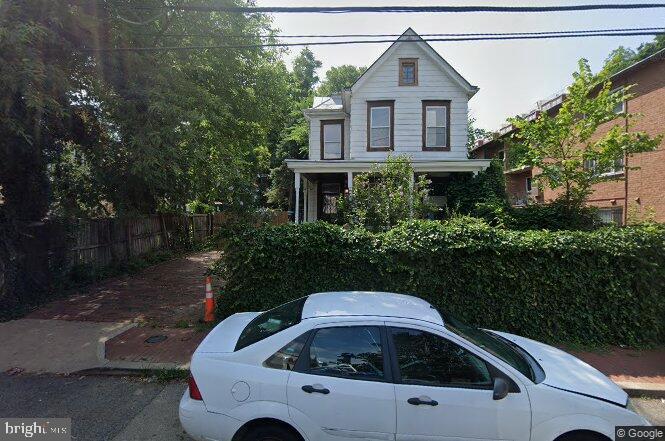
x=329 y=196
x=380 y=125
x=528 y=185
x=408 y=71
x=620 y=107
x=616 y=169
x=436 y=125
x=332 y=139
x=611 y=215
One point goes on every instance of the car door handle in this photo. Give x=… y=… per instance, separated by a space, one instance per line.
x=311 y=389
x=416 y=401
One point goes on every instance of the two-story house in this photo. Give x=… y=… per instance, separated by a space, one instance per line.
x=636 y=187
x=409 y=101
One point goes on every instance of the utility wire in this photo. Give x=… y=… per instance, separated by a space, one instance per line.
x=472 y=34
x=400 y=9
x=322 y=43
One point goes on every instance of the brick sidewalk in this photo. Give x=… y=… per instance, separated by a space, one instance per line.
x=161 y=295
x=131 y=345
x=628 y=365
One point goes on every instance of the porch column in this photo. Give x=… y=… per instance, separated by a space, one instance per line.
x=350 y=181
x=296 y=214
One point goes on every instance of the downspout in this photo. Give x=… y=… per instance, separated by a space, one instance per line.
x=625 y=171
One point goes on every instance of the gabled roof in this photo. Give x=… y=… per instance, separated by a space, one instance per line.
x=411 y=35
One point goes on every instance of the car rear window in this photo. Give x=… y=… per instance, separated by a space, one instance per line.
x=271 y=322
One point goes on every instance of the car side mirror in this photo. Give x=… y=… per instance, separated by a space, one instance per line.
x=500 y=389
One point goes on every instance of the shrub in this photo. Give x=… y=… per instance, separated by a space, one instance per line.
x=600 y=287
x=553 y=216
x=465 y=190
x=385 y=196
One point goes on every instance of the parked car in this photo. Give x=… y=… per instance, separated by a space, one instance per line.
x=380 y=366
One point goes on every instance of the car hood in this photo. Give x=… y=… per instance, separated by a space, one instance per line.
x=563 y=371
x=224 y=336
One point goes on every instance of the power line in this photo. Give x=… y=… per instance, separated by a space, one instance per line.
x=398 y=9
x=322 y=43
x=472 y=34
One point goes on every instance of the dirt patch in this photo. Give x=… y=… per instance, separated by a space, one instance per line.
x=162 y=295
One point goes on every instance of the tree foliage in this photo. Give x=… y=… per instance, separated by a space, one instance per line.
x=567 y=148
x=622 y=57
x=339 y=78
x=304 y=72
x=386 y=195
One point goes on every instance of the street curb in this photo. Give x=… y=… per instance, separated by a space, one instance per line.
x=121 y=372
x=639 y=390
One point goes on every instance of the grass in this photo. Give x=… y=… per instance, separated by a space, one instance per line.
x=166 y=375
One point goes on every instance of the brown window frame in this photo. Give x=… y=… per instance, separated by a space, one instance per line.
x=400 y=81
x=436 y=103
x=382 y=103
x=325 y=122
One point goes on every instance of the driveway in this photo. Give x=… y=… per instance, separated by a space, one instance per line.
x=114 y=323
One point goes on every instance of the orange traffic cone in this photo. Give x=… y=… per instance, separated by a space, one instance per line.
x=209 y=315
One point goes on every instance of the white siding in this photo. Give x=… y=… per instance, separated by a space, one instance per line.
x=315 y=136
x=433 y=84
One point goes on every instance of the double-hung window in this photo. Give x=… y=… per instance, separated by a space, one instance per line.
x=436 y=125
x=408 y=72
x=332 y=139
x=380 y=125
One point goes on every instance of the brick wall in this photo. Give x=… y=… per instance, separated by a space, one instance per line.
x=646 y=186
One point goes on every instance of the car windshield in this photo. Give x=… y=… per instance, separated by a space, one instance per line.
x=271 y=322
x=496 y=345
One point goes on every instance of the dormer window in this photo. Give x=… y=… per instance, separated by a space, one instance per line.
x=408 y=71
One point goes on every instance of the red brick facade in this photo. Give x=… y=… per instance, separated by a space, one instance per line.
x=636 y=194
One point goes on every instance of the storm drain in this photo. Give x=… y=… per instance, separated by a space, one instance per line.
x=155 y=339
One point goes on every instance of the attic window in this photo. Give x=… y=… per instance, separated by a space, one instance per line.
x=408 y=71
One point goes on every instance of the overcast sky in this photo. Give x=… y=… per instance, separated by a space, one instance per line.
x=512 y=75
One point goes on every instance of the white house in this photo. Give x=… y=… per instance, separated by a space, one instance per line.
x=409 y=101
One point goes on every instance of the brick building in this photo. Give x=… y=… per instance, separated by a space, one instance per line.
x=634 y=194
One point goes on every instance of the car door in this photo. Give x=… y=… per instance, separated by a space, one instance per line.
x=443 y=391
x=341 y=386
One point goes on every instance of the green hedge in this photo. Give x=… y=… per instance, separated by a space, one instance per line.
x=600 y=287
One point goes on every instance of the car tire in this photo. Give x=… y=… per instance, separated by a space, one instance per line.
x=270 y=433
x=582 y=435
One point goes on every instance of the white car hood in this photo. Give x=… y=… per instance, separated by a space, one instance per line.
x=224 y=336
x=563 y=371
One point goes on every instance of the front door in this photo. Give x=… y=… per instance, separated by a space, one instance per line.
x=329 y=193
x=342 y=390
x=444 y=392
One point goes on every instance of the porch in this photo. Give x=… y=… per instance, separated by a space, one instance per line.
x=320 y=182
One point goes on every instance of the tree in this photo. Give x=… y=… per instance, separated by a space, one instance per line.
x=386 y=195
x=567 y=149
x=622 y=57
x=339 y=78
x=473 y=134
x=304 y=72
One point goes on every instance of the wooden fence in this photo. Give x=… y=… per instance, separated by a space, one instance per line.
x=98 y=242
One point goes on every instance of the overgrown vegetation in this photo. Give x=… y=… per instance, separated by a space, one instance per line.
x=386 y=195
x=591 y=288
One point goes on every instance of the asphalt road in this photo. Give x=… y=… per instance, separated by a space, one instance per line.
x=129 y=409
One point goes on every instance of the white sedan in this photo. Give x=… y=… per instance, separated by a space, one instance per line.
x=378 y=366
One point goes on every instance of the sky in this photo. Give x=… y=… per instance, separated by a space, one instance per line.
x=512 y=75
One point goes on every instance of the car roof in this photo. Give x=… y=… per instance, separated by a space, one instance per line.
x=369 y=303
